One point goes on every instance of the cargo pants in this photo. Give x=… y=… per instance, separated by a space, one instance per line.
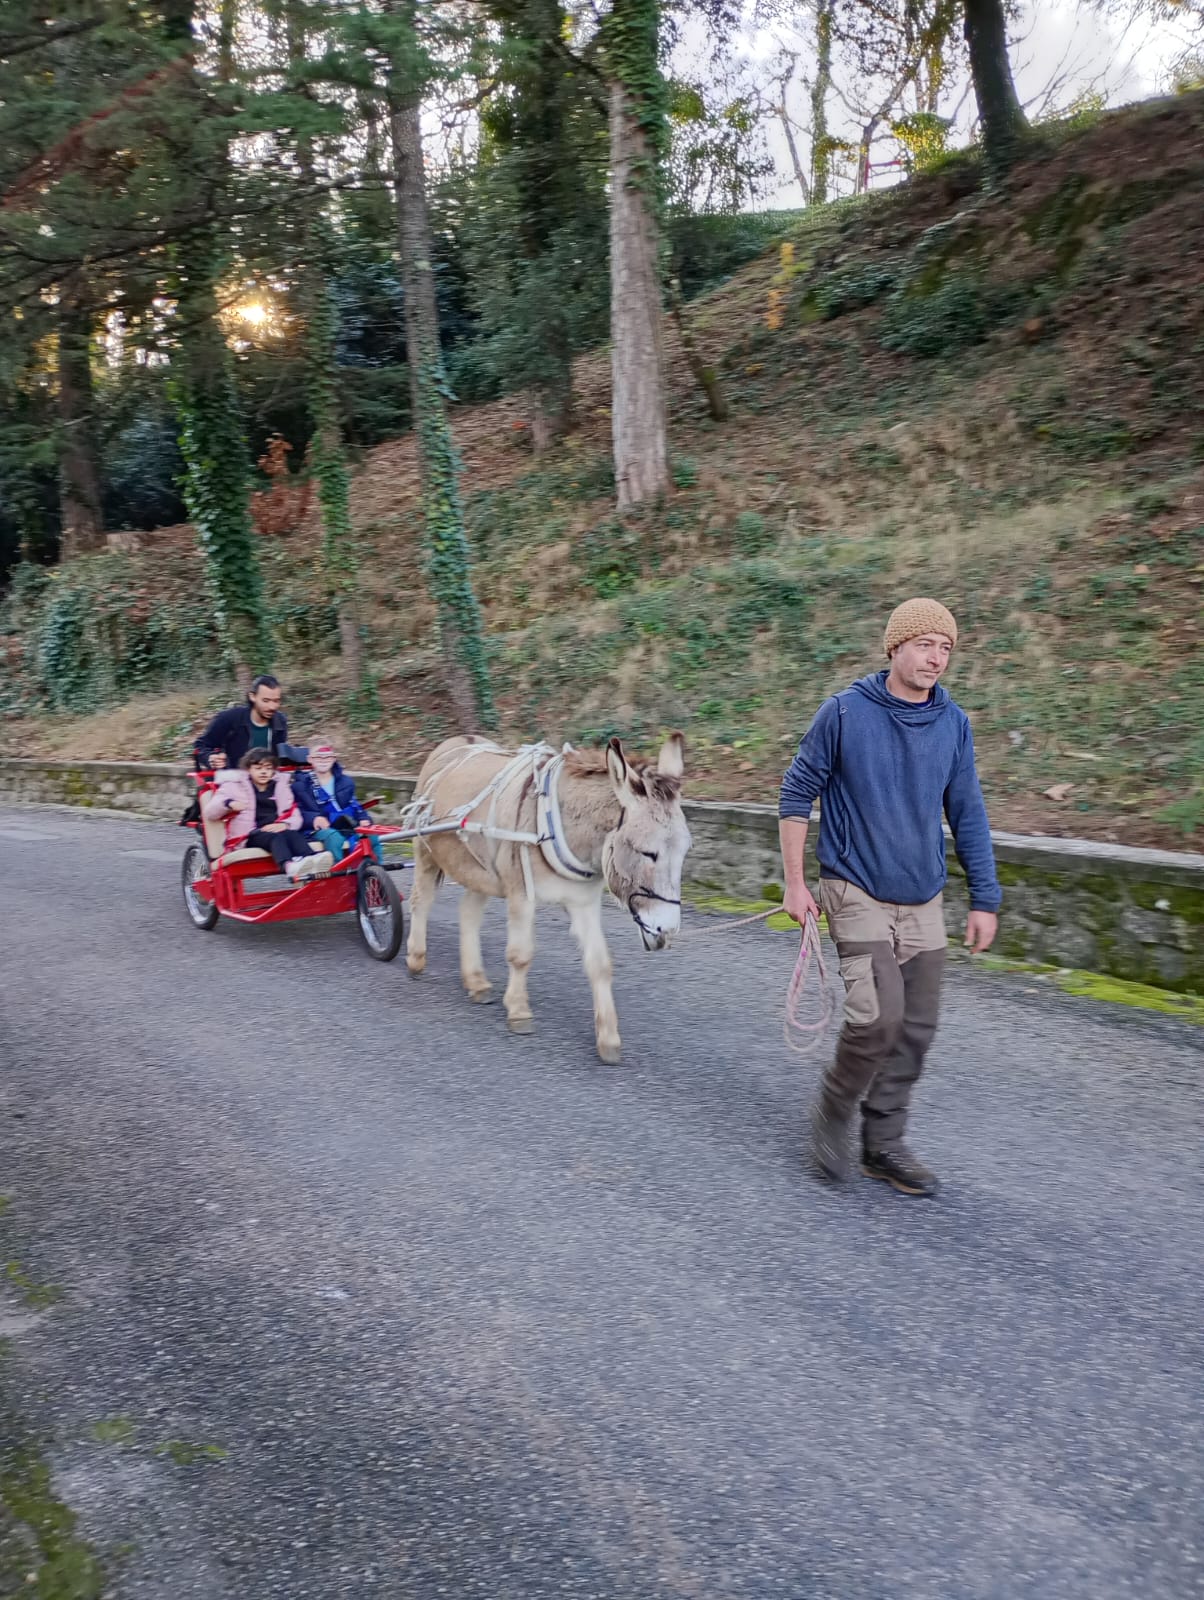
x=892 y=958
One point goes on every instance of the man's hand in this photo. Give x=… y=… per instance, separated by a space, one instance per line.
x=799 y=903
x=217 y=760
x=981 y=927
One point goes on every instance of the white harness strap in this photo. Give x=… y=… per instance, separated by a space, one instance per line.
x=553 y=845
x=545 y=766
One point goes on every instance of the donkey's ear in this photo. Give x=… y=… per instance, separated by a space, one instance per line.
x=616 y=764
x=671 y=763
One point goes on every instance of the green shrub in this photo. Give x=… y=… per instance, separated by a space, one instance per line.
x=98 y=634
x=471 y=374
x=654 y=612
x=752 y=533
x=761 y=594
x=962 y=310
x=848 y=289
x=68 y=658
x=708 y=248
x=923 y=137
x=612 y=554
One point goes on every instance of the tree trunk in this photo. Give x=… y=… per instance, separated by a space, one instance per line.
x=552 y=408
x=79 y=474
x=821 y=153
x=1003 y=121
x=863 y=156
x=638 y=427
x=460 y=625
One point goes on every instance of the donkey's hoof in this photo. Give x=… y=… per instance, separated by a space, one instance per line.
x=482 y=997
x=612 y=1054
x=521 y=1024
x=417 y=965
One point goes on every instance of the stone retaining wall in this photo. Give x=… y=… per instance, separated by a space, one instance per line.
x=1135 y=914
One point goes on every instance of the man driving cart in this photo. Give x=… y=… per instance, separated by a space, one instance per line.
x=257 y=723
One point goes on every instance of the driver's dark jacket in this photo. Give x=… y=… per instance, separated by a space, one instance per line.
x=230 y=732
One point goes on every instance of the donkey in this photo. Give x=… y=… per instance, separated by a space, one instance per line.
x=587 y=820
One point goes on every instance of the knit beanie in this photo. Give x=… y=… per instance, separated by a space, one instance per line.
x=915 y=617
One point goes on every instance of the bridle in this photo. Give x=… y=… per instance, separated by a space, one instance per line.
x=648 y=894
x=642 y=894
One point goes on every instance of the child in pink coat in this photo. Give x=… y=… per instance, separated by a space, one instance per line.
x=255 y=800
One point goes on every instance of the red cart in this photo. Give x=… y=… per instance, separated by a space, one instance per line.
x=231 y=883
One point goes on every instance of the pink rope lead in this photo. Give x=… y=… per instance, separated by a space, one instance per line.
x=804 y=1038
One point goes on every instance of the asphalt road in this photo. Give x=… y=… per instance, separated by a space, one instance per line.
x=370 y=1298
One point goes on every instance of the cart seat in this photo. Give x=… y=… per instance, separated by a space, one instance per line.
x=249 y=853
x=215 y=844
x=215 y=837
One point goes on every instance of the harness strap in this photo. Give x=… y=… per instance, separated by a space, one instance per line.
x=545 y=767
x=553 y=845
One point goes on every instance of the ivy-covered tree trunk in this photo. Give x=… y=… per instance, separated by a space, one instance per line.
x=461 y=629
x=215 y=485
x=638 y=423
x=216 y=478
x=328 y=464
x=328 y=460
x=1004 y=124
x=79 y=473
x=821 y=146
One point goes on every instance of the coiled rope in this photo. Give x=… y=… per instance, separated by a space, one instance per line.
x=804 y=1038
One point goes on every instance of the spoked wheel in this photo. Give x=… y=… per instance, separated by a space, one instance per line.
x=196 y=870
x=378 y=908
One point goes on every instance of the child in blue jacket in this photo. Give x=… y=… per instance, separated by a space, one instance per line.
x=329 y=808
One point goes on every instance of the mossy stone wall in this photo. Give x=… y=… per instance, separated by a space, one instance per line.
x=1134 y=914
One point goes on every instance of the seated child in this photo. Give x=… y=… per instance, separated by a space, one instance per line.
x=329 y=808
x=256 y=800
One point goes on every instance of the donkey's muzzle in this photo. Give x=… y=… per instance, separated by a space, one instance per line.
x=658 y=918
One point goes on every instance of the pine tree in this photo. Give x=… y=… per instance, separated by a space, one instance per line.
x=60 y=105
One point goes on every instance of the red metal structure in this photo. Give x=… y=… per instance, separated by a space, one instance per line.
x=230 y=883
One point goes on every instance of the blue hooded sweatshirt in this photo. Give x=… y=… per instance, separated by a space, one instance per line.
x=887 y=769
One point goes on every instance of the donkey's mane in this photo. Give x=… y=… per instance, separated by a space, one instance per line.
x=644 y=775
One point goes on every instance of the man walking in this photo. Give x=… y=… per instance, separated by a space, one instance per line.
x=885 y=758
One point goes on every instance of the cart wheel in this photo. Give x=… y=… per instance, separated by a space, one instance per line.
x=378 y=907
x=204 y=913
